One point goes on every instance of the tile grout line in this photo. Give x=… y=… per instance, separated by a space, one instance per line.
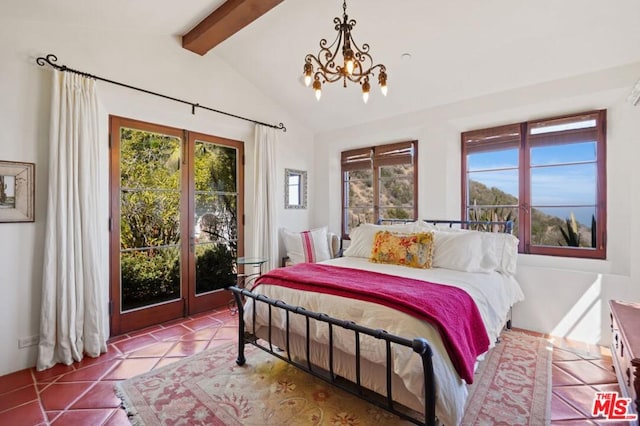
x=75 y=370
x=581 y=383
x=35 y=385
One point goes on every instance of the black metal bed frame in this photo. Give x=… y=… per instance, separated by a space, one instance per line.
x=480 y=225
x=419 y=345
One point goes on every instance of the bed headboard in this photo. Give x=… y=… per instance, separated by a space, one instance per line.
x=477 y=225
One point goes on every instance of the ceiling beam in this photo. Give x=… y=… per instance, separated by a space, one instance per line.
x=225 y=21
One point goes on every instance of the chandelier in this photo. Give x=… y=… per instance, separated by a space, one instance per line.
x=356 y=64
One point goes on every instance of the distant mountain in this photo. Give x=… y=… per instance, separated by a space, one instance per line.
x=397 y=190
x=545 y=229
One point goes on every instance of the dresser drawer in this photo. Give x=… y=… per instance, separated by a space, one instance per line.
x=625 y=349
x=623 y=368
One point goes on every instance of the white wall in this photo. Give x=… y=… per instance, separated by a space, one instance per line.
x=152 y=62
x=564 y=297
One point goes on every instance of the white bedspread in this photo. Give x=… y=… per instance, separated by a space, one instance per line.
x=493 y=293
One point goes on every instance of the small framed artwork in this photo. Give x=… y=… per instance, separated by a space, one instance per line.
x=17 y=185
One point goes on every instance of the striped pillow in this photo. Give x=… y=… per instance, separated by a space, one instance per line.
x=308 y=246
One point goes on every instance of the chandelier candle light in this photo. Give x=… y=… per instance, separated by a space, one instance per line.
x=357 y=65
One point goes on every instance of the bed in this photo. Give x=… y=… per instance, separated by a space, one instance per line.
x=382 y=354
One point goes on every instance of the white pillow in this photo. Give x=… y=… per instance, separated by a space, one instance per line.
x=505 y=249
x=462 y=251
x=500 y=249
x=361 y=238
x=307 y=246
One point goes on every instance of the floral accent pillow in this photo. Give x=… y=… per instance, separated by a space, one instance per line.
x=414 y=250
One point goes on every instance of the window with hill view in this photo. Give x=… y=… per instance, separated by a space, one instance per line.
x=547 y=176
x=379 y=182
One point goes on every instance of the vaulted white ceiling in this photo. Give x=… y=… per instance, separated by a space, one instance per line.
x=459 y=49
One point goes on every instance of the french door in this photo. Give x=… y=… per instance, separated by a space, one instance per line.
x=176 y=222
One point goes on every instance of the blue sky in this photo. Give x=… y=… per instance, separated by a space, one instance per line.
x=561 y=175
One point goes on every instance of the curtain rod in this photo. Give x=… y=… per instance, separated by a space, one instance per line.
x=50 y=60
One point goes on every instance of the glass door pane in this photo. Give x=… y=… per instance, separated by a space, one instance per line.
x=147 y=222
x=150 y=192
x=216 y=229
x=216 y=213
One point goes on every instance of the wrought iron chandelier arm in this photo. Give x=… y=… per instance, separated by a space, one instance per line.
x=322 y=69
x=326 y=50
x=361 y=53
x=327 y=77
x=358 y=75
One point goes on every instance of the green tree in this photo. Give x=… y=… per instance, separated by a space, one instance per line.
x=216 y=194
x=150 y=217
x=149 y=206
x=151 y=173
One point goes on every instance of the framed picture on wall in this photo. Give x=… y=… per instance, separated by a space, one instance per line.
x=17 y=186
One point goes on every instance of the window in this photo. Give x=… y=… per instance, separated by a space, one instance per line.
x=548 y=176
x=379 y=182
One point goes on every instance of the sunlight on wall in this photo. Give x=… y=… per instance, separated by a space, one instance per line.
x=586 y=310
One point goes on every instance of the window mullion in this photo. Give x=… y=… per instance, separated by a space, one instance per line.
x=376 y=190
x=525 y=191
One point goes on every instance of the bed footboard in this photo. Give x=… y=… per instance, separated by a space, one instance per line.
x=419 y=346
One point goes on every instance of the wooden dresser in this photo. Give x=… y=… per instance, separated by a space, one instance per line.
x=625 y=348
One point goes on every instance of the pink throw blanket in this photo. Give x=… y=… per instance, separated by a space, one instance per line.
x=450 y=309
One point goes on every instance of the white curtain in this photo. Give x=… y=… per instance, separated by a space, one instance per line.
x=74 y=312
x=265 y=236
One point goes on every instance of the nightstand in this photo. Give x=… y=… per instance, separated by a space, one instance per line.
x=247 y=277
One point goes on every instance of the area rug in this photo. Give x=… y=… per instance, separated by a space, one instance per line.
x=512 y=386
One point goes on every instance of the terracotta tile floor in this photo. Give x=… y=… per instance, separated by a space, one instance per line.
x=579 y=371
x=82 y=393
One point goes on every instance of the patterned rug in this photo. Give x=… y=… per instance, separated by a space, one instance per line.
x=512 y=387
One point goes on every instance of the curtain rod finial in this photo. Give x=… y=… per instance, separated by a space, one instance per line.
x=49 y=59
